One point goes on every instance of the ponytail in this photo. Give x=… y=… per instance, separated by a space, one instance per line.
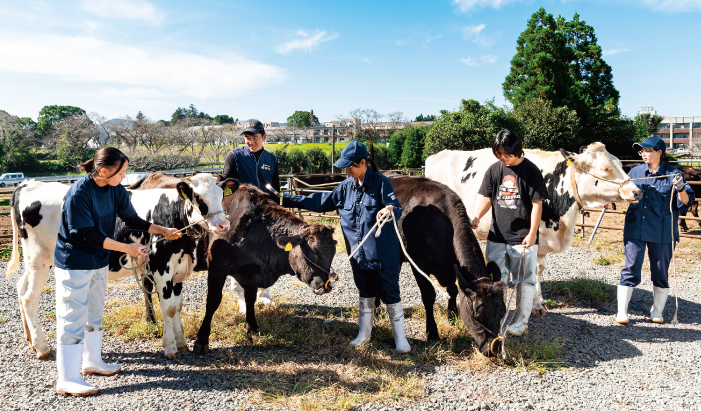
x=108 y=157
x=88 y=166
x=372 y=165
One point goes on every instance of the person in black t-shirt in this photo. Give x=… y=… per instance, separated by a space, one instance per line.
x=514 y=189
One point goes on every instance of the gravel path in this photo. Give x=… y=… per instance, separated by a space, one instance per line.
x=640 y=366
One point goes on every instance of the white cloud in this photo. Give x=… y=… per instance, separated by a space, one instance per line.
x=134 y=68
x=469 y=62
x=306 y=42
x=40 y=6
x=671 y=6
x=489 y=59
x=611 y=52
x=474 y=33
x=467 y=5
x=123 y=10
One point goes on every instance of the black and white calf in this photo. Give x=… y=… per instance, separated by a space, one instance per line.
x=36 y=216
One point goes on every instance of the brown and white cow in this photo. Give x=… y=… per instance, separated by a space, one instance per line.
x=36 y=216
x=598 y=180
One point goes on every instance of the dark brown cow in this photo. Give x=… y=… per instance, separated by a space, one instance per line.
x=436 y=230
x=254 y=252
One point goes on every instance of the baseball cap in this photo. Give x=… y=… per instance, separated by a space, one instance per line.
x=353 y=152
x=651 y=142
x=253 y=126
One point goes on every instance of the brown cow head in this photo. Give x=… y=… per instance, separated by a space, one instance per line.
x=482 y=307
x=310 y=255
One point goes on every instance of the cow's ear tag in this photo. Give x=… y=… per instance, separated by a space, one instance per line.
x=227 y=191
x=288 y=247
x=184 y=195
x=569 y=163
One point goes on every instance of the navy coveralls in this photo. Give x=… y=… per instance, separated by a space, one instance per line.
x=376 y=265
x=648 y=224
x=242 y=165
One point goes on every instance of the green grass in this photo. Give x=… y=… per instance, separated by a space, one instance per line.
x=6 y=253
x=580 y=290
x=3 y=319
x=602 y=261
x=535 y=352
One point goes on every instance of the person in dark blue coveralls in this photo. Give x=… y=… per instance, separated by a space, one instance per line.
x=360 y=199
x=648 y=224
x=252 y=164
x=83 y=246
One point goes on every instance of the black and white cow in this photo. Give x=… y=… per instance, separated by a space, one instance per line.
x=264 y=242
x=598 y=180
x=436 y=231
x=36 y=216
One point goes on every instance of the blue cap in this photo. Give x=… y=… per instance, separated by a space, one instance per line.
x=253 y=126
x=651 y=142
x=353 y=152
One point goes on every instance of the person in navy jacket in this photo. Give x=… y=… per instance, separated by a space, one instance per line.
x=83 y=245
x=252 y=164
x=648 y=225
x=360 y=199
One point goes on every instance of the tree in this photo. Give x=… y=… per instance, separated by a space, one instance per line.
x=412 y=154
x=51 y=115
x=396 y=146
x=15 y=136
x=300 y=119
x=540 y=68
x=73 y=140
x=651 y=122
x=421 y=117
x=547 y=127
x=472 y=127
x=190 y=115
x=224 y=119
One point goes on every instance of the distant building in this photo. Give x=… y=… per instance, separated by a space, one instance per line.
x=681 y=133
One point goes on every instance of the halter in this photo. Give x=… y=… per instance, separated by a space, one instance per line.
x=331 y=274
x=472 y=283
x=575 y=191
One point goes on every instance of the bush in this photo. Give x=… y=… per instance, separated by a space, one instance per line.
x=547 y=127
x=412 y=154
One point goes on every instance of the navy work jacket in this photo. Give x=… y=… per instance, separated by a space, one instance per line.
x=249 y=171
x=649 y=220
x=358 y=209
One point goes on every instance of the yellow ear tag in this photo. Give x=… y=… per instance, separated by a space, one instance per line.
x=569 y=163
x=184 y=195
x=227 y=191
x=288 y=247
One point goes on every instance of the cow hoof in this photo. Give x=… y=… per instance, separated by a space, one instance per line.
x=172 y=356
x=538 y=312
x=254 y=338
x=200 y=349
x=433 y=337
x=47 y=356
x=183 y=348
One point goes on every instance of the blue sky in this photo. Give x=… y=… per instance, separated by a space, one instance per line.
x=266 y=59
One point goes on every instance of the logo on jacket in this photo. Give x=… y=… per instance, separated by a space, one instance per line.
x=265 y=167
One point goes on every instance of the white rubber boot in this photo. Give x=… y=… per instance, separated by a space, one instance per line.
x=624 y=294
x=523 y=311
x=659 y=298
x=92 y=356
x=367 y=309
x=396 y=317
x=68 y=364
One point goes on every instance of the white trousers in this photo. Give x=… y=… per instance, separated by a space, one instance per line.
x=80 y=300
x=508 y=258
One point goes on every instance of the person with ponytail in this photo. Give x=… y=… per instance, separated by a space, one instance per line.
x=83 y=246
x=360 y=200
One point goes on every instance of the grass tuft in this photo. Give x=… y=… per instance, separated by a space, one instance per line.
x=601 y=260
x=580 y=290
x=535 y=353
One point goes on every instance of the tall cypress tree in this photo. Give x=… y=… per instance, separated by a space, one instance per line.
x=540 y=68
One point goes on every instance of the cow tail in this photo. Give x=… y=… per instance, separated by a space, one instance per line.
x=13 y=264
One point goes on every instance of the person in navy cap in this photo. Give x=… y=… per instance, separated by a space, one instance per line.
x=252 y=164
x=649 y=224
x=360 y=199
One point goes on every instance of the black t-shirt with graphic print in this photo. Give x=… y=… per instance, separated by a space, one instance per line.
x=513 y=191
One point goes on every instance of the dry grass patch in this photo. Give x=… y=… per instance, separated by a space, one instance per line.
x=303 y=360
x=580 y=289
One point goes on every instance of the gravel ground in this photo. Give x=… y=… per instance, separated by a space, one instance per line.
x=639 y=366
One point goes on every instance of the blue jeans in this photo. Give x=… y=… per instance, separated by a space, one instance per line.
x=660 y=254
x=80 y=299
x=508 y=258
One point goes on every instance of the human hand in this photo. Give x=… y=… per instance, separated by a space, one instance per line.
x=678 y=182
x=384 y=211
x=172 y=233
x=475 y=222
x=529 y=241
x=136 y=250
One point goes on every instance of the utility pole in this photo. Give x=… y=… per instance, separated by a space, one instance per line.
x=333 y=146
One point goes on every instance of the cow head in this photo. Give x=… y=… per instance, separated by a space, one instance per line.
x=482 y=307
x=600 y=177
x=205 y=200
x=310 y=255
